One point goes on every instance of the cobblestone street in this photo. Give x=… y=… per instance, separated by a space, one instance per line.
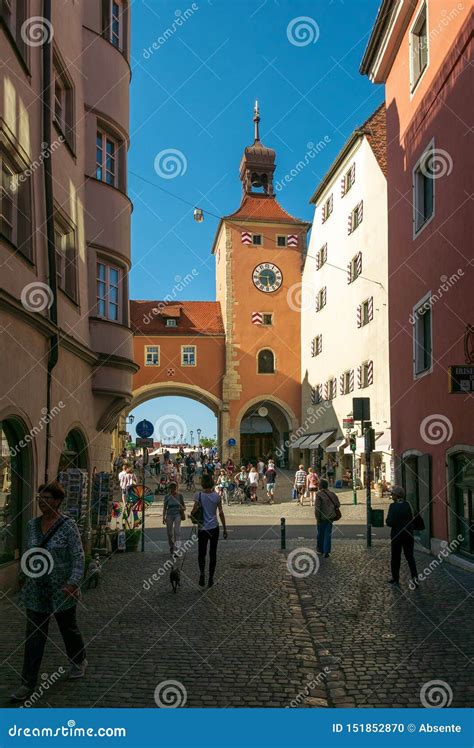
x=261 y=637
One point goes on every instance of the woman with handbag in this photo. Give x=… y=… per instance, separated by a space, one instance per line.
x=207 y=503
x=52 y=571
x=327 y=511
x=174 y=510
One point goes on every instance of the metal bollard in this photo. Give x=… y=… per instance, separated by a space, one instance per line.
x=283 y=533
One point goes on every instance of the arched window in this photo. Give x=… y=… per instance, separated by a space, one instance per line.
x=266 y=361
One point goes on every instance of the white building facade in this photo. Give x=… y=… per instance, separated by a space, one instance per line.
x=345 y=315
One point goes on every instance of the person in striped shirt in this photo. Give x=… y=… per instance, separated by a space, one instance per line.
x=300 y=482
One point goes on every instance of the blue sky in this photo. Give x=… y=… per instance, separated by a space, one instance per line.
x=197 y=69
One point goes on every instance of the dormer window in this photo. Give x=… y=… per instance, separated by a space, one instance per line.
x=171 y=323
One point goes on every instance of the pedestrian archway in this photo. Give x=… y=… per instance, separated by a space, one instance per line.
x=264 y=426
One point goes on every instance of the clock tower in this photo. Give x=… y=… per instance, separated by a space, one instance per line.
x=259 y=251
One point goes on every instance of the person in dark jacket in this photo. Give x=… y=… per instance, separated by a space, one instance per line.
x=400 y=520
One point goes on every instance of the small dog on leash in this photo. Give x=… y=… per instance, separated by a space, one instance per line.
x=175 y=579
x=94 y=573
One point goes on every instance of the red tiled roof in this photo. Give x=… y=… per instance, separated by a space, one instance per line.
x=196 y=318
x=261 y=208
x=375 y=130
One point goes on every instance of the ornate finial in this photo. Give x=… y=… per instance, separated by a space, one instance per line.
x=256 y=119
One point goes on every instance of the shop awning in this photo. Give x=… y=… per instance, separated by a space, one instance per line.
x=298 y=442
x=335 y=446
x=383 y=442
x=316 y=439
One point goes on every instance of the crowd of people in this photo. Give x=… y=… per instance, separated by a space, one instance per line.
x=57 y=593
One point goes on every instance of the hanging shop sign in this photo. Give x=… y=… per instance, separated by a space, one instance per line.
x=461 y=379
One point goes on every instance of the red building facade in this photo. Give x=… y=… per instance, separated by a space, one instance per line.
x=421 y=51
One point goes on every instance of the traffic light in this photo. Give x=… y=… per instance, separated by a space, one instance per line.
x=352 y=443
x=369 y=440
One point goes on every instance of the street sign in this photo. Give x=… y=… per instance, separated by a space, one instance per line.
x=461 y=379
x=231 y=442
x=144 y=443
x=347 y=423
x=144 y=429
x=361 y=408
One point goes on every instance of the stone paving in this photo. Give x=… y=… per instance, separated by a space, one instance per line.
x=261 y=636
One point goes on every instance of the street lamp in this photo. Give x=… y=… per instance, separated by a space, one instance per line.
x=191 y=435
x=130 y=419
x=199 y=432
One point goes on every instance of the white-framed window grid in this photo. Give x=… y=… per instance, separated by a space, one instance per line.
x=108 y=291
x=188 y=355
x=418 y=47
x=423 y=190
x=106 y=158
x=8 y=201
x=152 y=355
x=422 y=337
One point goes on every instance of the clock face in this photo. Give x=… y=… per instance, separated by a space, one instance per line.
x=267 y=277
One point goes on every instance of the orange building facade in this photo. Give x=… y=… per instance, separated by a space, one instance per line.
x=239 y=355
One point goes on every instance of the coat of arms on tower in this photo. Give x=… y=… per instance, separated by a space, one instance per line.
x=171 y=372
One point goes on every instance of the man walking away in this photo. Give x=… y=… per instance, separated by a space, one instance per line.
x=300 y=483
x=326 y=505
x=400 y=520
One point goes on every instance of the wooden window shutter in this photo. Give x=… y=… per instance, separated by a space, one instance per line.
x=359 y=315
x=371 y=308
x=351 y=381
x=349 y=273
x=370 y=372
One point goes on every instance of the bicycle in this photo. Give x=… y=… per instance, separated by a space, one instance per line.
x=190 y=485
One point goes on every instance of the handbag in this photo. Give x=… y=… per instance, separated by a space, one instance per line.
x=337 y=511
x=197 y=514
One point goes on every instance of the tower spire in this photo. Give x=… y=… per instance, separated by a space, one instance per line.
x=256 y=119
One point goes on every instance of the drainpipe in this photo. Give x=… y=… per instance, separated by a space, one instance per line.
x=49 y=206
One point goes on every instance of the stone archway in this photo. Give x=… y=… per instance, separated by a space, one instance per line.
x=263 y=426
x=177 y=389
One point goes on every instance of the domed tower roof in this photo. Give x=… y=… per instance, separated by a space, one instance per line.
x=258 y=163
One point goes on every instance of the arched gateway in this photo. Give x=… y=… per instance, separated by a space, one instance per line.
x=240 y=354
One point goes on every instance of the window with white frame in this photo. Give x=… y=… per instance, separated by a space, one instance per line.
x=346 y=382
x=267 y=319
x=418 y=47
x=171 y=323
x=316 y=345
x=106 y=168
x=330 y=389
x=422 y=337
x=63 y=112
x=281 y=240
x=327 y=208
x=316 y=395
x=366 y=312
x=321 y=256
x=321 y=299
x=257 y=240
x=65 y=246
x=14 y=13
x=113 y=22
x=354 y=268
x=152 y=355
x=355 y=217
x=423 y=189
x=8 y=202
x=188 y=355
x=16 y=204
x=348 y=180
x=108 y=282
